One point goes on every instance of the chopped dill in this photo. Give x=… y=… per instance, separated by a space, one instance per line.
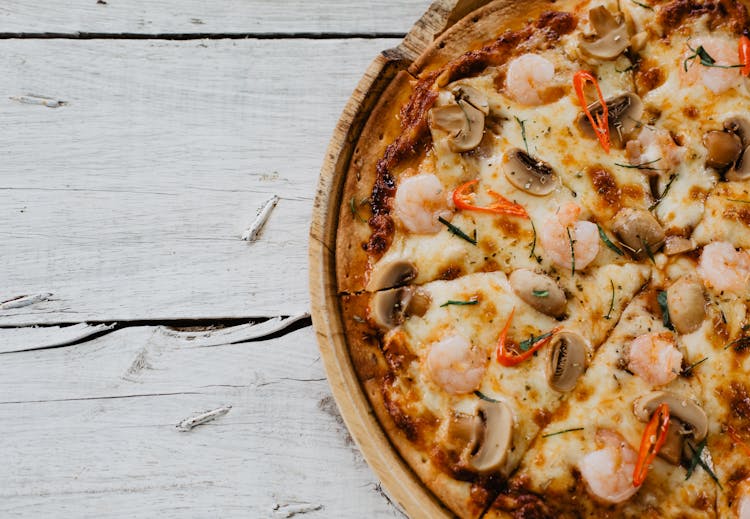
x=608 y=242
x=458 y=232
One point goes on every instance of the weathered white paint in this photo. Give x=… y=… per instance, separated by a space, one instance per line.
x=129 y=202
x=217 y=16
x=89 y=431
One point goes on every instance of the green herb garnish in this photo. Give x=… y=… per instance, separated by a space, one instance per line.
x=645 y=6
x=697 y=459
x=696 y=456
x=705 y=59
x=485 y=397
x=738 y=200
x=608 y=242
x=739 y=344
x=572 y=254
x=540 y=293
x=451 y=302
x=533 y=242
x=457 y=232
x=523 y=133
x=661 y=298
x=691 y=367
x=562 y=432
x=528 y=343
x=642 y=165
x=664 y=193
x=612 y=301
x=648 y=250
x=355 y=212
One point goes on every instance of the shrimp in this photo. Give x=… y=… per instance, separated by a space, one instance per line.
x=527 y=77
x=716 y=79
x=608 y=472
x=723 y=268
x=420 y=200
x=654 y=358
x=455 y=366
x=655 y=147
x=568 y=241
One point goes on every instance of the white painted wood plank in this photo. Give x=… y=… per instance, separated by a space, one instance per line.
x=129 y=201
x=80 y=442
x=32 y=338
x=199 y=16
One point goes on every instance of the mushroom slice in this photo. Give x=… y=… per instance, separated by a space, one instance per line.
x=677 y=245
x=389 y=274
x=389 y=308
x=463 y=121
x=538 y=291
x=613 y=37
x=639 y=231
x=495 y=438
x=741 y=168
x=724 y=148
x=474 y=97
x=739 y=126
x=528 y=174
x=686 y=417
x=625 y=112
x=567 y=360
x=687 y=307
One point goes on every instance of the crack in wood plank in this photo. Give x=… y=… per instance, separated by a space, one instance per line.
x=107 y=397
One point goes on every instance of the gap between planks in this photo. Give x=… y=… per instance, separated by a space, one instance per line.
x=199 y=36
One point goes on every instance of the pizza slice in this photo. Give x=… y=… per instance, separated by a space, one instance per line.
x=594 y=458
x=464 y=373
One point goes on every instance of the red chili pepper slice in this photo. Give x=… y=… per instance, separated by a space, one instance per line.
x=736 y=437
x=463 y=199
x=744 y=52
x=507 y=359
x=600 y=123
x=652 y=441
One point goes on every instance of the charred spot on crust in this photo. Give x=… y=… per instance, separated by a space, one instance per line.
x=605 y=186
x=724 y=12
x=522 y=504
x=739 y=400
x=649 y=79
x=741 y=215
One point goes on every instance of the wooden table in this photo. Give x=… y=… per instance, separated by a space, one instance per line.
x=139 y=138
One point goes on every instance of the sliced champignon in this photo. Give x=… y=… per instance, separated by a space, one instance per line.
x=480 y=441
x=687 y=307
x=739 y=126
x=474 y=97
x=686 y=418
x=612 y=35
x=677 y=245
x=538 y=291
x=528 y=174
x=389 y=308
x=389 y=274
x=724 y=148
x=624 y=113
x=567 y=360
x=495 y=438
x=639 y=231
x=463 y=118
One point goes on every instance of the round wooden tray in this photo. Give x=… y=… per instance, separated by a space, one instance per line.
x=402 y=484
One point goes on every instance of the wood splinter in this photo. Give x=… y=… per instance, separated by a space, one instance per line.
x=251 y=234
x=188 y=423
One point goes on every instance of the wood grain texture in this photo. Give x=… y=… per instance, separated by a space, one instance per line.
x=199 y=16
x=129 y=201
x=89 y=431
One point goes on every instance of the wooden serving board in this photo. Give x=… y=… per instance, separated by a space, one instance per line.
x=402 y=484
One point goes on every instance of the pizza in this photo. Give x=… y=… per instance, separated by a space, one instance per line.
x=543 y=260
